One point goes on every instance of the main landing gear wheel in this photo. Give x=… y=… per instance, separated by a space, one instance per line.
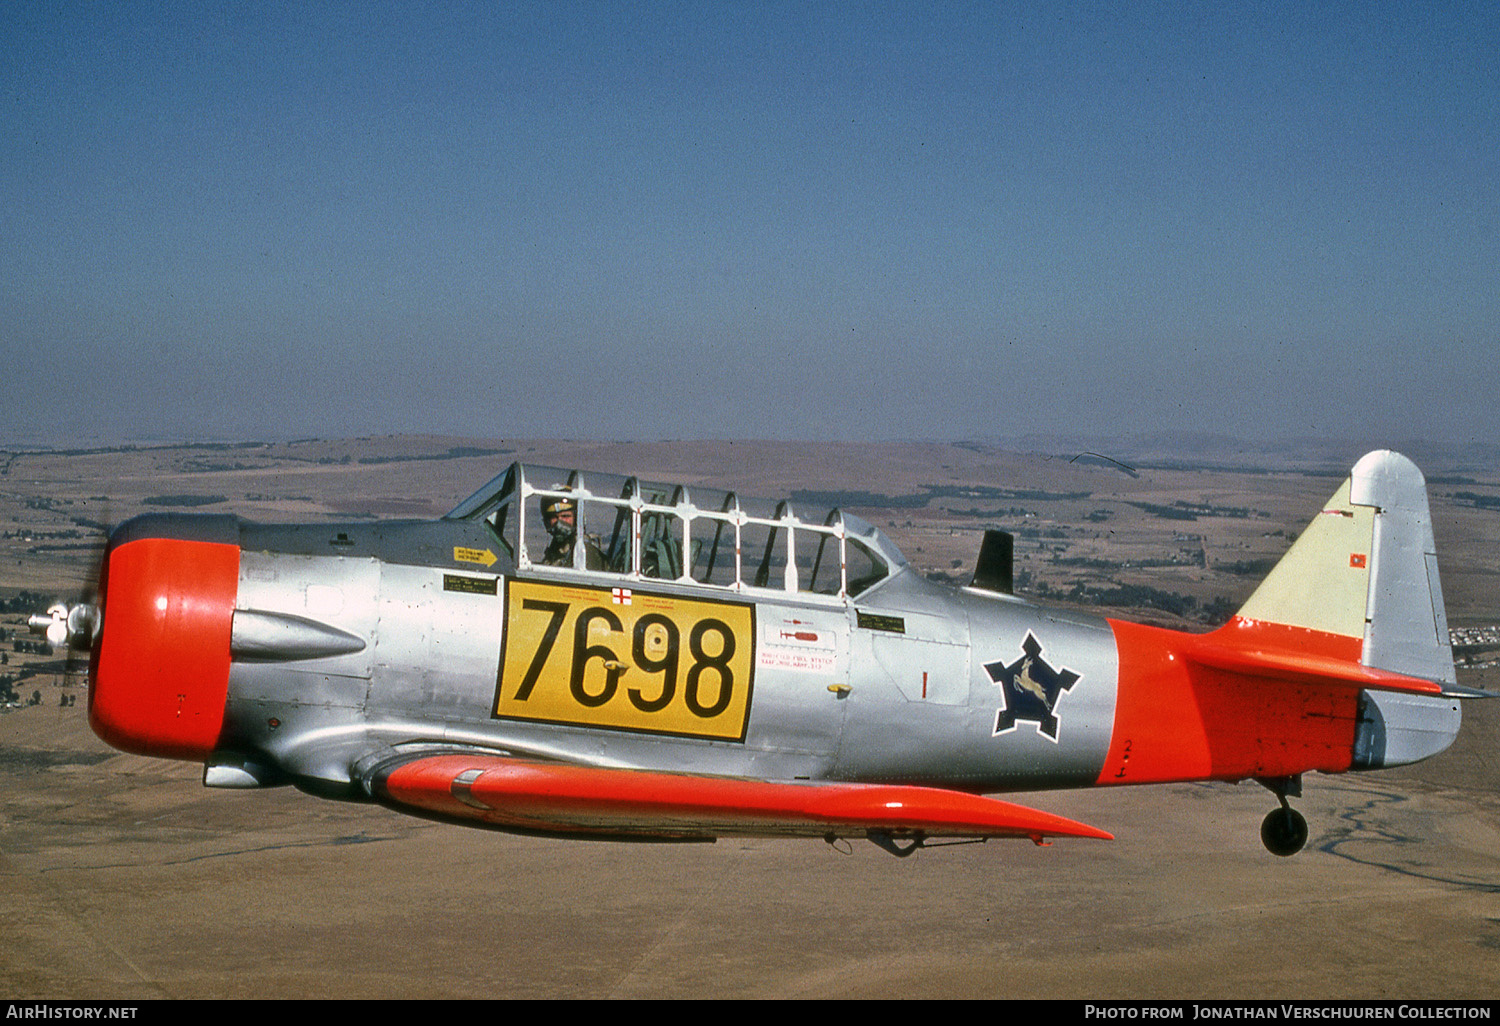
x=1283 y=831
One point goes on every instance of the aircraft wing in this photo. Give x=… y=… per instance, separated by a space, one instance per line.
x=564 y=798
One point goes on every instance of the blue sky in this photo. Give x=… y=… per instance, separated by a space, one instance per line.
x=787 y=220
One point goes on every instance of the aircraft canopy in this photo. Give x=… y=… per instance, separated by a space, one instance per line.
x=626 y=527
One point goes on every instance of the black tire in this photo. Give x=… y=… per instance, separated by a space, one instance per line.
x=1283 y=832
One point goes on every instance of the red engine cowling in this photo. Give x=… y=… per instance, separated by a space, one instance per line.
x=160 y=672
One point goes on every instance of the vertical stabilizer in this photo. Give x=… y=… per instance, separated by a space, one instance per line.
x=1364 y=574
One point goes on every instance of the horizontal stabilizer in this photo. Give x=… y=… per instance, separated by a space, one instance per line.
x=591 y=801
x=1305 y=668
x=1260 y=650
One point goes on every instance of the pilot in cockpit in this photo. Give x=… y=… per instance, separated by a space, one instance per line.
x=560 y=518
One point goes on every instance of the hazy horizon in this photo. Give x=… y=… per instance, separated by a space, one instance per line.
x=1167 y=447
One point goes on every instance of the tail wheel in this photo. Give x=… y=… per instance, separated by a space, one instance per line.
x=1283 y=831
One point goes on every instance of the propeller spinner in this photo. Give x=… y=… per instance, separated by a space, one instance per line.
x=76 y=626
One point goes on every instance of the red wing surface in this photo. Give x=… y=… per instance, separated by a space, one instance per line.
x=583 y=800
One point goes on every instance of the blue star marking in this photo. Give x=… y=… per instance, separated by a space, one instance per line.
x=1029 y=690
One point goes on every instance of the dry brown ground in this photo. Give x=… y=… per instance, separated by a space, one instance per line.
x=121 y=877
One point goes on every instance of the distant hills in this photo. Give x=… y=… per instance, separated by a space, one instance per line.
x=1187 y=450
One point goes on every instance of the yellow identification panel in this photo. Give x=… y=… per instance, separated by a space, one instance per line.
x=616 y=658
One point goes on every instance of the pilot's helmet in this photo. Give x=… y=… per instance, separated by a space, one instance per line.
x=556 y=505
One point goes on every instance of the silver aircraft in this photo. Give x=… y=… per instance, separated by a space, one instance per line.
x=589 y=655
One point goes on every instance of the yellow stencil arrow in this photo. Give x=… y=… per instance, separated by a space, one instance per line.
x=484 y=557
